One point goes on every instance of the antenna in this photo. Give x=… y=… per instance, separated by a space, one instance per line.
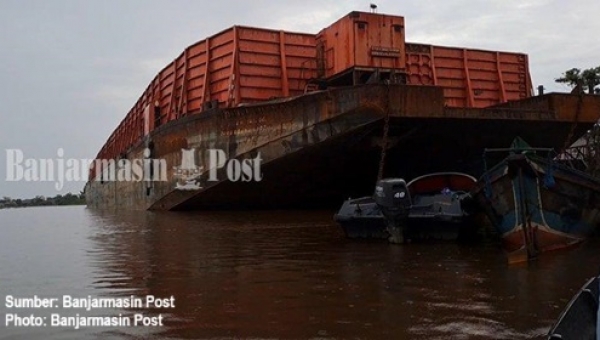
x=373 y=8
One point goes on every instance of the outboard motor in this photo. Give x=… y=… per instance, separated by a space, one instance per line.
x=393 y=198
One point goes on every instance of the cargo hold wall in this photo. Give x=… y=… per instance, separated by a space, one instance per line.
x=469 y=77
x=247 y=65
x=238 y=65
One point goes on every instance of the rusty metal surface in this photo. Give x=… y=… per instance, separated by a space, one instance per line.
x=275 y=129
x=326 y=138
x=470 y=77
x=562 y=107
x=237 y=65
x=242 y=65
x=281 y=129
x=366 y=40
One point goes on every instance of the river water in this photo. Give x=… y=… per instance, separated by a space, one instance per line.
x=270 y=275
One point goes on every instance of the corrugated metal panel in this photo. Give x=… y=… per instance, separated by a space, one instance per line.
x=365 y=40
x=237 y=65
x=245 y=65
x=470 y=78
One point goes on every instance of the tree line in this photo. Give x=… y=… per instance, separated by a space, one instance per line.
x=67 y=199
x=584 y=80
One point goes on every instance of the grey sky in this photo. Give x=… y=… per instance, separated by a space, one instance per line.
x=70 y=69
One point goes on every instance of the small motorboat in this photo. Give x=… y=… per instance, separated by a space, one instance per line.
x=579 y=320
x=435 y=206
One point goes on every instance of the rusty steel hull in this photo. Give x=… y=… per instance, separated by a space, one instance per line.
x=320 y=148
x=246 y=65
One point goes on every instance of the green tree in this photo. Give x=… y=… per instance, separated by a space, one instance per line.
x=66 y=199
x=588 y=78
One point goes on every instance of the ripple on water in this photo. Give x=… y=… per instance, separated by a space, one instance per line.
x=271 y=275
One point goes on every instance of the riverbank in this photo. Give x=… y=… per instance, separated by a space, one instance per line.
x=67 y=199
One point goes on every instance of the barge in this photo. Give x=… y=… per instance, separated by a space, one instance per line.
x=317 y=110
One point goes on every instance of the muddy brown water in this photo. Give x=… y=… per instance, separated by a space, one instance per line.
x=271 y=275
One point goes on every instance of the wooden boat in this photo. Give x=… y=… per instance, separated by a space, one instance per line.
x=536 y=202
x=430 y=206
x=579 y=320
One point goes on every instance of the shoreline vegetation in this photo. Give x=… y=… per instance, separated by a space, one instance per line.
x=67 y=199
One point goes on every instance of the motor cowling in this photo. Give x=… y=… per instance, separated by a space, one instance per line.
x=393 y=197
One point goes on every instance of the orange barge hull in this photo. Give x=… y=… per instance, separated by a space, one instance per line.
x=313 y=106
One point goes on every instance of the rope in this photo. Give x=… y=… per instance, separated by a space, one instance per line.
x=386 y=130
x=549 y=181
x=487 y=190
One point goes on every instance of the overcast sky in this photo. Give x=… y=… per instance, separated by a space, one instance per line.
x=70 y=70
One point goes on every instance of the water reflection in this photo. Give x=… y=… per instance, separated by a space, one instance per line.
x=292 y=275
